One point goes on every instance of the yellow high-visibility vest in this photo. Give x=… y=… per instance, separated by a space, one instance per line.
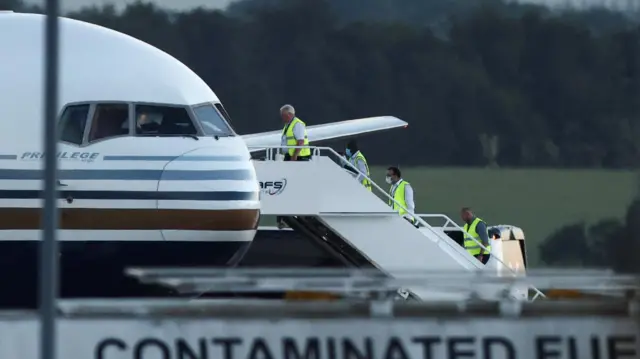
x=397 y=194
x=354 y=160
x=469 y=244
x=287 y=131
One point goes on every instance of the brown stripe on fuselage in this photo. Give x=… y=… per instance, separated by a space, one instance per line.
x=134 y=219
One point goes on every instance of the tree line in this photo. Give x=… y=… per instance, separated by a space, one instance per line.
x=610 y=243
x=482 y=83
x=489 y=84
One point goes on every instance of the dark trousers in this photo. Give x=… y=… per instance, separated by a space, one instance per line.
x=287 y=157
x=485 y=258
x=414 y=222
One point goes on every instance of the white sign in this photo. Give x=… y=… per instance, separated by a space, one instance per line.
x=419 y=338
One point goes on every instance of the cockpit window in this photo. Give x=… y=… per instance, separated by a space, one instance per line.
x=212 y=122
x=223 y=112
x=109 y=120
x=73 y=123
x=154 y=120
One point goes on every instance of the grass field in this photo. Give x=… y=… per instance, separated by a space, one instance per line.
x=538 y=201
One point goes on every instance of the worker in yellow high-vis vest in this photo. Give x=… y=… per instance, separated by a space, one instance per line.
x=357 y=160
x=402 y=193
x=476 y=228
x=294 y=133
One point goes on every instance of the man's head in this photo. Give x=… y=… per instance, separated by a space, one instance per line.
x=393 y=175
x=351 y=148
x=143 y=119
x=287 y=113
x=466 y=214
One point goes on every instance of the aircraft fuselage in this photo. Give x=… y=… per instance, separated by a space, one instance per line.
x=127 y=201
x=151 y=170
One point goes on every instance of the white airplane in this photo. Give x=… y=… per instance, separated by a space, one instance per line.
x=151 y=171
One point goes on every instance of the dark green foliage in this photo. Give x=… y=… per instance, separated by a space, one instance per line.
x=609 y=244
x=481 y=83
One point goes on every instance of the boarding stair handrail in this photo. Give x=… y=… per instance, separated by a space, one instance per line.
x=271 y=151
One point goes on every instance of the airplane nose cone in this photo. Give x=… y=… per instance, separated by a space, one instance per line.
x=218 y=188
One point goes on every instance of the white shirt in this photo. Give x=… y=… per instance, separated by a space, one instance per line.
x=408 y=195
x=298 y=133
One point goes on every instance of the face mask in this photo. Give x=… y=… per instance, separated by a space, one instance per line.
x=348 y=152
x=388 y=179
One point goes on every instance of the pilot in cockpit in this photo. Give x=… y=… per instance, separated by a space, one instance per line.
x=144 y=124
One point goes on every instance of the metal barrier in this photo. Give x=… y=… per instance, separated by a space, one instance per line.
x=351 y=280
x=271 y=151
x=379 y=291
x=341 y=310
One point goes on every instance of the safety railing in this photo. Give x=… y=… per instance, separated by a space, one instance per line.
x=273 y=151
x=351 y=293
x=623 y=310
x=358 y=280
x=448 y=222
x=373 y=285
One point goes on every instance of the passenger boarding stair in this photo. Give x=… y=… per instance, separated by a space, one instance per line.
x=328 y=240
x=323 y=201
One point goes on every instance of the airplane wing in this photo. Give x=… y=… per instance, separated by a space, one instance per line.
x=328 y=131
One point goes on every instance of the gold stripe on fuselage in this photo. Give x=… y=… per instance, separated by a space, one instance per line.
x=134 y=219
